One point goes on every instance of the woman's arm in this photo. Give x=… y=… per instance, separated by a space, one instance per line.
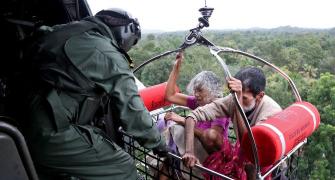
x=170 y=93
x=171 y=116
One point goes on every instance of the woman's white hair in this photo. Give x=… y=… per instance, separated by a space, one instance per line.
x=206 y=80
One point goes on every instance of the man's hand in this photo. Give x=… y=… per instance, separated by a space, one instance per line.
x=236 y=86
x=190 y=160
x=161 y=150
x=171 y=116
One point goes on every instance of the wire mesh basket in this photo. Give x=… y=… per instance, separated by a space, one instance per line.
x=150 y=166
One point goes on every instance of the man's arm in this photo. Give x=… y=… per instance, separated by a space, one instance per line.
x=238 y=124
x=106 y=66
x=188 y=158
x=129 y=108
x=235 y=85
x=219 y=108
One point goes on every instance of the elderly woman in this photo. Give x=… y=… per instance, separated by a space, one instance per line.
x=211 y=145
x=204 y=88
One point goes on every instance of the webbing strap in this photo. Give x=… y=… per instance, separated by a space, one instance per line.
x=60 y=113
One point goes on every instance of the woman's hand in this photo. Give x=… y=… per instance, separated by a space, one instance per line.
x=179 y=58
x=171 y=93
x=171 y=116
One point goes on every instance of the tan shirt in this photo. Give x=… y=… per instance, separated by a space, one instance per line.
x=224 y=107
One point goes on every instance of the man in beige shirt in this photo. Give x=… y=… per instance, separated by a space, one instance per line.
x=249 y=85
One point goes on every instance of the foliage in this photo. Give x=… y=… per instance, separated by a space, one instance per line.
x=307 y=56
x=318 y=158
x=322 y=94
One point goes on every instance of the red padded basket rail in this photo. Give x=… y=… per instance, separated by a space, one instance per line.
x=279 y=134
x=154 y=96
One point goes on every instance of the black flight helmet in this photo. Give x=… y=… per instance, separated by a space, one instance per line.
x=125 y=28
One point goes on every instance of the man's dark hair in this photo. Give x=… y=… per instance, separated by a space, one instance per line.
x=253 y=79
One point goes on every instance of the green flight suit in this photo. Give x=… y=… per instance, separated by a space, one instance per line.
x=80 y=149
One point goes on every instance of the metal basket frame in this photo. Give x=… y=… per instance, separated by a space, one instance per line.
x=195 y=37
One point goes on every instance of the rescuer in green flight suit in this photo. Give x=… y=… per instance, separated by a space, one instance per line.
x=81 y=65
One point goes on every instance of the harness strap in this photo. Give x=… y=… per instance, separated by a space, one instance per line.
x=60 y=113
